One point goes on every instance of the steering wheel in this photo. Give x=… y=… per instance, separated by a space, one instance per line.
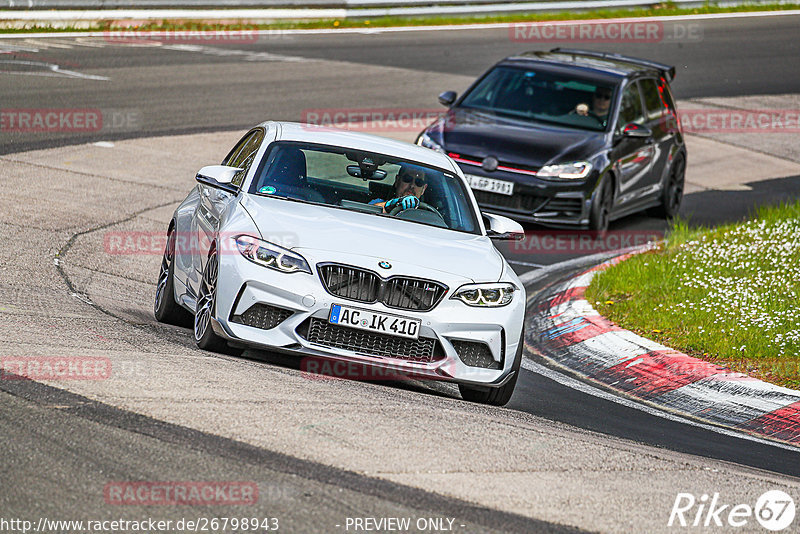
x=421 y=206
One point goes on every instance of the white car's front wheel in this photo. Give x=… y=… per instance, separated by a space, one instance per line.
x=204 y=334
x=165 y=309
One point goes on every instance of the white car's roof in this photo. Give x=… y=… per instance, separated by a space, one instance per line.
x=310 y=133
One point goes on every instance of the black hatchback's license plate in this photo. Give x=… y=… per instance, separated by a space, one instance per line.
x=382 y=323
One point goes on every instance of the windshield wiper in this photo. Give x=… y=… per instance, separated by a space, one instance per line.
x=289 y=198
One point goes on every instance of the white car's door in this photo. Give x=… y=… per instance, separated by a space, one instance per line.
x=213 y=202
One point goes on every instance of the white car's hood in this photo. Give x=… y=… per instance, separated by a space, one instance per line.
x=324 y=234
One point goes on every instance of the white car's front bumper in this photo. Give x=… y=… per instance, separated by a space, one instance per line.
x=243 y=284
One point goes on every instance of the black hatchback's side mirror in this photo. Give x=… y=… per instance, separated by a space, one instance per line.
x=636 y=131
x=447 y=98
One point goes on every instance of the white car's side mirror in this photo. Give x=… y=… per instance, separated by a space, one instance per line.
x=218 y=177
x=503 y=228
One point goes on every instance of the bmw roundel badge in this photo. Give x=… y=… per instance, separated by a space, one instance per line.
x=384 y=265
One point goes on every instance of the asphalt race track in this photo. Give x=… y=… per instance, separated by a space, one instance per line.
x=319 y=451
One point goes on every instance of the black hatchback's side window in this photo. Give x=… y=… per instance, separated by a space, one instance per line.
x=631 y=107
x=653 y=101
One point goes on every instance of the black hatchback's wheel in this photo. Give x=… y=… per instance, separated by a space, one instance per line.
x=672 y=194
x=204 y=334
x=600 y=212
x=165 y=309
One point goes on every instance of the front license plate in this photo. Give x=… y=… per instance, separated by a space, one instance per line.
x=382 y=323
x=481 y=183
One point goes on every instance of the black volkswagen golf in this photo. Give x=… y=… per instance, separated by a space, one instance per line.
x=567 y=138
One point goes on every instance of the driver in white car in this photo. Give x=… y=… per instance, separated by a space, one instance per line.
x=409 y=186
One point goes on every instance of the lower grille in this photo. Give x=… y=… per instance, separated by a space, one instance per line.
x=262 y=316
x=565 y=205
x=517 y=201
x=475 y=354
x=322 y=332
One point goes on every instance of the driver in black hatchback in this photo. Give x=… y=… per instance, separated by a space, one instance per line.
x=409 y=186
x=601 y=103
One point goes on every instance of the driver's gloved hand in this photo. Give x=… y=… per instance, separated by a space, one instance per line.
x=407 y=202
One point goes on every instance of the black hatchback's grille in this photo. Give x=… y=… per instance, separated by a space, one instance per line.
x=529 y=203
x=398 y=292
x=517 y=201
x=372 y=344
x=475 y=354
x=565 y=205
x=262 y=316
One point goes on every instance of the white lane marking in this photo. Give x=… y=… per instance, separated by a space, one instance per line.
x=583 y=387
x=444 y=27
x=225 y=52
x=734 y=396
x=527 y=264
x=573 y=308
x=104 y=144
x=49 y=69
x=90 y=43
x=52 y=43
x=7 y=48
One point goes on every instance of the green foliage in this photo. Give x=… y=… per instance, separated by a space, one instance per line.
x=727 y=294
x=663 y=9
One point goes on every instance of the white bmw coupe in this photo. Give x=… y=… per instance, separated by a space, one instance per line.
x=346 y=247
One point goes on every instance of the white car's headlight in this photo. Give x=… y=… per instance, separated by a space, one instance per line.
x=426 y=141
x=566 y=171
x=486 y=295
x=271 y=255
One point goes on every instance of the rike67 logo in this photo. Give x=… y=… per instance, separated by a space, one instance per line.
x=774 y=511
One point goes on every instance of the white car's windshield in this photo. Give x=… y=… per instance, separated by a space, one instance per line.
x=366 y=182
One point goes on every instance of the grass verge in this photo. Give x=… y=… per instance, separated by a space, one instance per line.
x=727 y=294
x=665 y=9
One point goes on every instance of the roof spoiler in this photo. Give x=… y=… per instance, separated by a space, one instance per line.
x=667 y=70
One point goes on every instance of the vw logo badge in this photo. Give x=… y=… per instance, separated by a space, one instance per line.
x=385 y=265
x=489 y=164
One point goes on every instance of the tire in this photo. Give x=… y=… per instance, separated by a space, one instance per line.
x=495 y=396
x=672 y=194
x=205 y=309
x=165 y=309
x=600 y=212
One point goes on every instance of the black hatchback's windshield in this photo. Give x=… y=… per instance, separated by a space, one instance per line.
x=543 y=96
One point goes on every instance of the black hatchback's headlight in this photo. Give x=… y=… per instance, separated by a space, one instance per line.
x=426 y=141
x=577 y=170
